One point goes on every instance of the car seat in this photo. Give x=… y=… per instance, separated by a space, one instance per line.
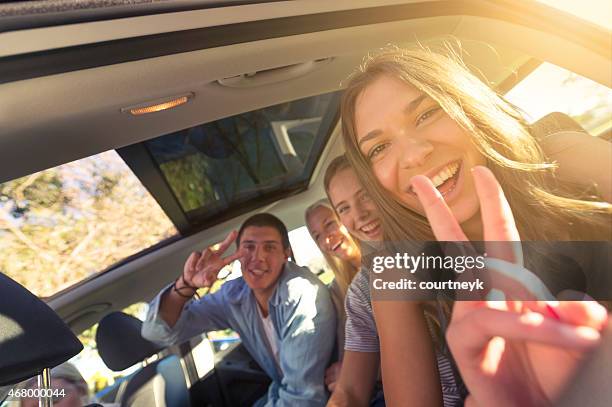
x=159 y=384
x=555 y=122
x=32 y=336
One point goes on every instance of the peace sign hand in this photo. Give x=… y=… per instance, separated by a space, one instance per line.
x=510 y=353
x=502 y=240
x=201 y=269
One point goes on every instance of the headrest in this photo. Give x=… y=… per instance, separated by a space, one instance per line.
x=555 y=122
x=32 y=335
x=120 y=344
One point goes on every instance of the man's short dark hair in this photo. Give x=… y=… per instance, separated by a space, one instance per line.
x=266 y=219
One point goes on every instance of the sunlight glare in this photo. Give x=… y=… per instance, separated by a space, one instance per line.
x=595 y=11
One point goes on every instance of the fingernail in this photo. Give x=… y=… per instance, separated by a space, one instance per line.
x=580 y=332
x=532 y=318
x=598 y=312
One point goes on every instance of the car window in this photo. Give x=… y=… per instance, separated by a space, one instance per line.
x=550 y=88
x=595 y=11
x=219 y=167
x=307 y=254
x=64 y=224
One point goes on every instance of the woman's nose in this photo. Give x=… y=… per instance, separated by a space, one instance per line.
x=413 y=152
x=361 y=211
x=327 y=241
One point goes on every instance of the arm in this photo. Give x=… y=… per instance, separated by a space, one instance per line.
x=200 y=270
x=362 y=348
x=582 y=159
x=308 y=326
x=409 y=369
x=172 y=315
x=206 y=314
x=357 y=379
x=172 y=302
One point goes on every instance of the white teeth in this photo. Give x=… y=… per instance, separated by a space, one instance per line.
x=437 y=180
x=257 y=272
x=369 y=227
x=445 y=173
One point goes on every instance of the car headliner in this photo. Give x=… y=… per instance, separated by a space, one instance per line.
x=73 y=110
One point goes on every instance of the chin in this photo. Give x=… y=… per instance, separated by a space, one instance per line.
x=343 y=256
x=256 y=285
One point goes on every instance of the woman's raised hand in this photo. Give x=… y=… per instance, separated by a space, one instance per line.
x=510 y=353
x=201 y=269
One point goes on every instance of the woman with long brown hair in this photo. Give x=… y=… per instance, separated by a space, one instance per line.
x=354 y=380
x=416 y=112
x=343 y=256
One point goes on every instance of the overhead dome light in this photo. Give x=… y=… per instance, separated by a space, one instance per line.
x=157 y=105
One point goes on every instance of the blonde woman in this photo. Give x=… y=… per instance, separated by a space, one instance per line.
x=344 y=258
x=409 y=113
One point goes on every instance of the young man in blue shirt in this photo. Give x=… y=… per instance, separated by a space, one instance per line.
x=282 y=312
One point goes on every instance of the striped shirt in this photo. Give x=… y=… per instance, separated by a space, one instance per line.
x=361 y=336
x=360 y=332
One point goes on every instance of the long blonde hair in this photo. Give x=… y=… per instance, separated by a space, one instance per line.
x=498 y=131
x=343 y=270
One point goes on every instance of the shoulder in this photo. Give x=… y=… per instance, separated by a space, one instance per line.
x=231 y=291
x=334 y=289
x=358 y=301
x=559 y=141
x=360 y=286
x=297 y=282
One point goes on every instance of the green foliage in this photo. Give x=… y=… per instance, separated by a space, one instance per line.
x=64 y=224
x=187 y=178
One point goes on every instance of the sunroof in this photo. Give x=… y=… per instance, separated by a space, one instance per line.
x=217 y=167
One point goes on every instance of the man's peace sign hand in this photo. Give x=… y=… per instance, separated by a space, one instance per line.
x=201 y=269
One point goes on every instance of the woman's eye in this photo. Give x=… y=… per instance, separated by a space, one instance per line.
x=342 y=209
x=427 y=115
x=377 y=150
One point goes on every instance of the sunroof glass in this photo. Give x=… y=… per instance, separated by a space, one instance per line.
x=214 y=166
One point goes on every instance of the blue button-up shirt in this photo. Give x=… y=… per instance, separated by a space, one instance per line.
x=304 y=321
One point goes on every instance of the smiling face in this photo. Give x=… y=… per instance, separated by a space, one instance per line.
x=329 y=235
x=354 y=207
x=263 y=259
x=402 y=133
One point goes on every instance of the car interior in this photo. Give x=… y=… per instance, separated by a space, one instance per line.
x=221 y=109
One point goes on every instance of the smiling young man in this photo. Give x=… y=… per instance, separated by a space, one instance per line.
x=282 y=312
